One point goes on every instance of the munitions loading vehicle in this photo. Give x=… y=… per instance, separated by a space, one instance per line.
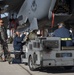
x=48 y=52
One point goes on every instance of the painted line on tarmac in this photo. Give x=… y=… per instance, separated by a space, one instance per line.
x=25 y=69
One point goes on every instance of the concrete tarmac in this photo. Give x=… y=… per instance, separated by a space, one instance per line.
x=22 y=69
x=12 y=69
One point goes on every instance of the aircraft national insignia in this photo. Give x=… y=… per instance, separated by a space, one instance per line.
x=34 y=6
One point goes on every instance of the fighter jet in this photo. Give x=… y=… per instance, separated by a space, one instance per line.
x=40 y=12
x=34 y=10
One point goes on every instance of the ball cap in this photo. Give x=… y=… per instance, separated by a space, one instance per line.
x=60 y=24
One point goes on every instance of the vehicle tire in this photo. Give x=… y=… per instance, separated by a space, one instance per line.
x=67 y=67
x=31 y=64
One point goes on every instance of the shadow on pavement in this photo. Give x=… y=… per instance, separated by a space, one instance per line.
x=55 y=70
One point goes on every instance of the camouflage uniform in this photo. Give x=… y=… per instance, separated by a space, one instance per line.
x=3 y=37
x=1 y=51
